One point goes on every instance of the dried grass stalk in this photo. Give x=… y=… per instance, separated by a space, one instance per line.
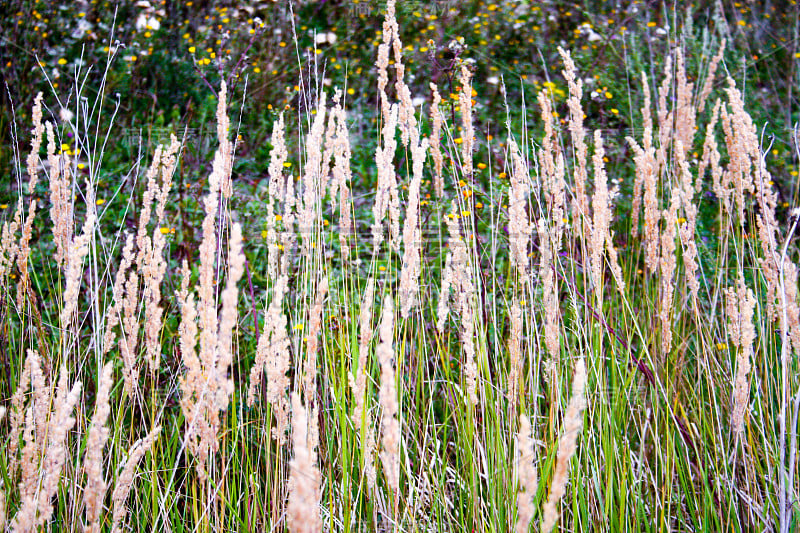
x=17 y=416
x=526 y=473
x=519 y=224
x=114 y=311
x=406 y=119
x=647 y=177
x=225 y=145
x=206 y=386
x=741 y=304
x=435 y=142
x=684 y=111
x=686 y=229
x=382 y=63
x=312 y=346
x=78 y=249
x=342 y=175
x=709 y=81
x=442 y=308
x=314 y=176
x=278 y=361
x=467 y=130
x=390 y=426
x=470 y=366
x=360 y=416
x=229 y=314
x=59 y=426
x=36 y=143
x=515 y=351
x=711 y=156
x=130 y=333
x=288 y=237
x=577 y=132
x=359 y=385
x=9 y=247
x=567 y=444
x=95 y=488
x=412 y=235
x=277 y=192
x=126 y=478
x=552 y=168
x=547 y=273
x=639 y=152
x=664 y=117
x=272 y=355
x=153 y=265
x=24 y=250
x=668 y=264
x=60 y=199
x=48 y=422
x=753 y=176
x=602 y=217
x=386 y=196
x=302 y=509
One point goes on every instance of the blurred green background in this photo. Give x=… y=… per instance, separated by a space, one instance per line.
x=163 y=61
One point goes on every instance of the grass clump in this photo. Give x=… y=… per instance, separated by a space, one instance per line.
x=495 y=336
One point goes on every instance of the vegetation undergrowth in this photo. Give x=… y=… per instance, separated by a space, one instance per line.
x=457 y=331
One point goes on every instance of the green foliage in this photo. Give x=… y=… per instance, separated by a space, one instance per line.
x=656 y=450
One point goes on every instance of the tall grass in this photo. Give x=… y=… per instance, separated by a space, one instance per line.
x=521 y=352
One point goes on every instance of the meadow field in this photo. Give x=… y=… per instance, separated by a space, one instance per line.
x=426 y=287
